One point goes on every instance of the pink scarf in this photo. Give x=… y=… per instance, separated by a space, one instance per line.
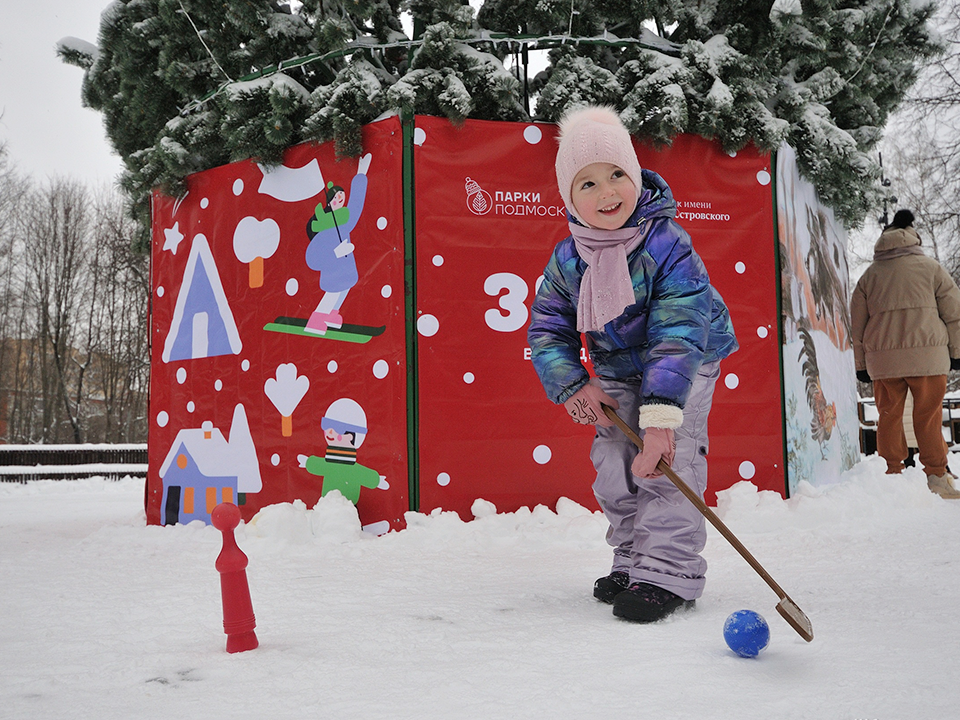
x=607 y=288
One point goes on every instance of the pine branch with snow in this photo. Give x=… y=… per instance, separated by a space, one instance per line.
x=339 y=110
x=577 y=80
x=186 y=85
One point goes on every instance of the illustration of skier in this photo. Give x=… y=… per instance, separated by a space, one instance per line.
x=331 y=251
x=344 y=428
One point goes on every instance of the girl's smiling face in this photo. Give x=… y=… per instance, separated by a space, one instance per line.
x=603 y=196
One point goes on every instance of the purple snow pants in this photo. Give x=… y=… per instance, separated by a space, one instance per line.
x=657 y=534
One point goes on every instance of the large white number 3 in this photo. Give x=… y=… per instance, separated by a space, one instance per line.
x=512 y=302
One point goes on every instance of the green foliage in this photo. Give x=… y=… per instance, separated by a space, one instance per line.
x=185 y=85
x=338 y=110
x=576 y=80
x=450 y=78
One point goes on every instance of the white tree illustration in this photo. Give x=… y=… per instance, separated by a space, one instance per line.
x=254 y=240
x=286 y=391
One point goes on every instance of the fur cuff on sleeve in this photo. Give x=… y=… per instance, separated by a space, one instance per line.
x=660 y=416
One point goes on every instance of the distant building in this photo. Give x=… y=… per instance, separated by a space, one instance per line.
x=104 y=396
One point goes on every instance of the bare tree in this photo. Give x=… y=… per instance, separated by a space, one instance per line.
x=923 y=147
x=119 y=322
x=11 y=194
x=55 y=230
x=926 y=183
x=12 y=190
x=921 y=154
x=74 y=296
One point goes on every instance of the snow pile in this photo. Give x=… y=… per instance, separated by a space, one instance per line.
x=333 y=520
x=107 y=618
x=865 y=500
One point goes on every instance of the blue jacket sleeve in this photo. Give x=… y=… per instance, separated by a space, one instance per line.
x=358 y=193
x=678 y=319
x=552 y=334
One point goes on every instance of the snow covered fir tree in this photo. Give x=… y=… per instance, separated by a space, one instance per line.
x=186 y=85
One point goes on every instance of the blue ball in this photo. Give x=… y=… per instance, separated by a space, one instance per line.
x=746 y=633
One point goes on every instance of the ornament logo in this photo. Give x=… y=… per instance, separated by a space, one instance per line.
x=478 y=199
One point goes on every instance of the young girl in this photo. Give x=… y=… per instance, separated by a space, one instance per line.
x=629 y=279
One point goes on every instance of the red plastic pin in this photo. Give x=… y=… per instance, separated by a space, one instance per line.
x=238 y=618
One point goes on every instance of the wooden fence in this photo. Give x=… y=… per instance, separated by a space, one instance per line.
x=869 y=416
x=22 y=463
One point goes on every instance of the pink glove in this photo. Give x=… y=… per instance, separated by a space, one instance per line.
x=584 y=405
x=657 y=443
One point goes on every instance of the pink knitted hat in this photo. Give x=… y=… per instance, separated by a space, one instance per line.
x=589 y=135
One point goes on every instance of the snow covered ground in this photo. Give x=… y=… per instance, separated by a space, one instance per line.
x=103 y=617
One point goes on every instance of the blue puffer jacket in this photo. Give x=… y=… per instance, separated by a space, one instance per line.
x=678 y=322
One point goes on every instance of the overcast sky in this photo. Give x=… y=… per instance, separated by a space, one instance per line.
x=46 y=129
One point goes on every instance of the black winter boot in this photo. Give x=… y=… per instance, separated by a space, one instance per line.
x=605 y=589
x=646 y=603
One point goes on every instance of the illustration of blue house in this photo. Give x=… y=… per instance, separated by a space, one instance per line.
x=203 y=324
x=202 y=469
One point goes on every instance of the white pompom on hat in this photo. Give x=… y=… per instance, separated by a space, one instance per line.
x=593 y=134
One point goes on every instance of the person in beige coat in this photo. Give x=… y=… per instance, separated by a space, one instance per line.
x=905 y=312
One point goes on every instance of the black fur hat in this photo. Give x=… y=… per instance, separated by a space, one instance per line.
x=902 y=219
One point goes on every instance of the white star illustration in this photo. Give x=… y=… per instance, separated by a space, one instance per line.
x=172 y=238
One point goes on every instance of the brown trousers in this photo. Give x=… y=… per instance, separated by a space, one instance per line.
x=928 y=392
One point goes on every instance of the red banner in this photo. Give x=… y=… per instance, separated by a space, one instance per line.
x=248 y=402
x=279 y=366
x=488 y=215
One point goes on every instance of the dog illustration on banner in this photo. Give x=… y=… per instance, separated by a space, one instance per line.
x=344 y=428
x=331 y=252
x=203 y=469
x=818 y=385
